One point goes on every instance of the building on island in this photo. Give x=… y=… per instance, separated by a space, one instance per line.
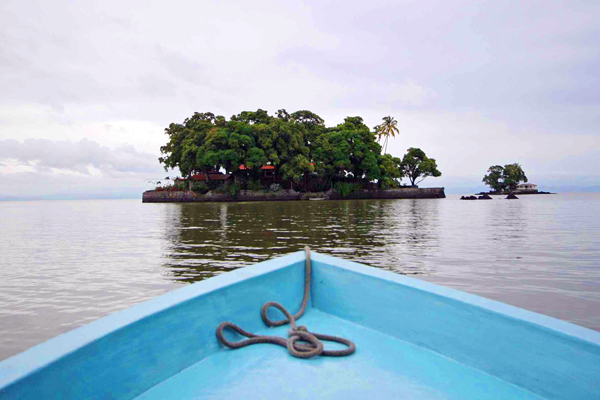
x=525 y=188
x=268 y=170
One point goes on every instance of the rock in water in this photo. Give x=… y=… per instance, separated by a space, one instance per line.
x=485 y=197
x=512 y=197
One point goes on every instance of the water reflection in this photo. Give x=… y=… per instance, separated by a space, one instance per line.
x=509 y=221
x=212 y=238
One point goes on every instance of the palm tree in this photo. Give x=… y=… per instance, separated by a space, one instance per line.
x=386 y=129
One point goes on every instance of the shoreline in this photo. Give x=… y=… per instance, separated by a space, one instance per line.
x=152 y=196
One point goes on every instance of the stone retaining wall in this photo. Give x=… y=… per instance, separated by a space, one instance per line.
x=152 y=196
x=402 y=193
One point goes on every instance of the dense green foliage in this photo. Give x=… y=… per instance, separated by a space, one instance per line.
x=306 y=155
x=416 y=165
x=494 y=178
x=513 y=175
x=501 y=178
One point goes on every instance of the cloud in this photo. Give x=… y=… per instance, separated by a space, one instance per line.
x=83 y=157
x=152 y=61
x=42 y=168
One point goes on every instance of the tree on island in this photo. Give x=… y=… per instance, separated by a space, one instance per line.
x=390 y=170
x=513 y=175
x=416 y=164
x=494 y=179
x=298 y=148
x=348 y=152
x=389 y=127
x=185 y=148
x=501 y=178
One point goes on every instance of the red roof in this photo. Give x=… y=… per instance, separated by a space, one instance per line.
x=243 y=167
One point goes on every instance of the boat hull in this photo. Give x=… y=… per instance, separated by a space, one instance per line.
x=414 y=340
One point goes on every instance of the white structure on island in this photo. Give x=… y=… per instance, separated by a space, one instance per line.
x=527 y=188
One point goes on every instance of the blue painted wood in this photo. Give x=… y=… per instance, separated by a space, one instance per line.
x=382 y=368
x=414 y=339
x=552 y=358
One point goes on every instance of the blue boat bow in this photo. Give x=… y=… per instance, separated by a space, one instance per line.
x=414 y=340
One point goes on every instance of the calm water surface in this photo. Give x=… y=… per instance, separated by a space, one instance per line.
x=65 y=263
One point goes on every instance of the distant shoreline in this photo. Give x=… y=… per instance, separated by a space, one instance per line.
x=152 y=196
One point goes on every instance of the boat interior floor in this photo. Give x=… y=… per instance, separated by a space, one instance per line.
x=383 y=367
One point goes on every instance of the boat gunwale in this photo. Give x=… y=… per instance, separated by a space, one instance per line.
x=34 y=359
x=530 y=318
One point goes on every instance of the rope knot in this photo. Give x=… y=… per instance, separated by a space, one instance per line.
x=300 y=328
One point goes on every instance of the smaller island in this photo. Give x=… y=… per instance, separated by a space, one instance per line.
x=254 y=156
x=509 y=180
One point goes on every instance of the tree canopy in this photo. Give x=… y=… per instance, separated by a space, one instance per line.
x=416 y=165
x=494 y=178
x=500 y=178
x=513 y=175
x=298 y=146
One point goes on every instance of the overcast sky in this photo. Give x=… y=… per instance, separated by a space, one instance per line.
x=87 y=88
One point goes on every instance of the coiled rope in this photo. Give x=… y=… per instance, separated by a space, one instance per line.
x=300 y=342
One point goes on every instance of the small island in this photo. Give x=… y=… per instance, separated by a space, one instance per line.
x=254 y=156
x=506 y=181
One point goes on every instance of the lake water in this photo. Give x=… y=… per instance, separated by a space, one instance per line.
x=66 y=263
